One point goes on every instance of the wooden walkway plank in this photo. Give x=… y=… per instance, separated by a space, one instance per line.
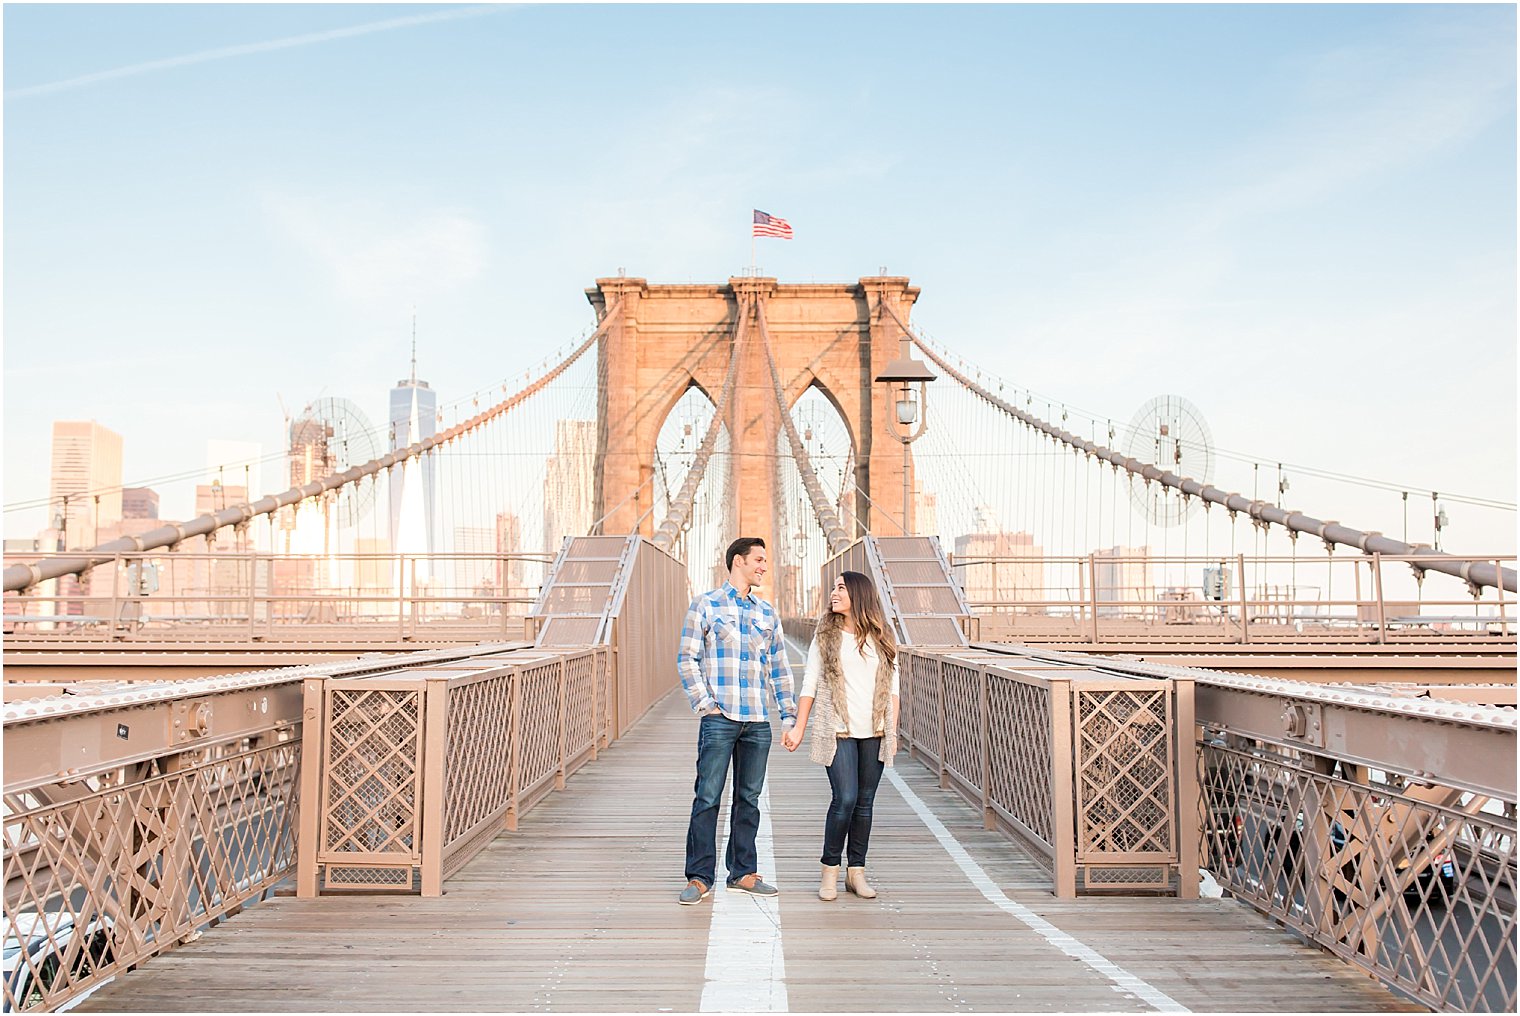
x=576 y=912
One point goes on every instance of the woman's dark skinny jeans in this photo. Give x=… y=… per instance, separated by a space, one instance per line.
x=854 y=776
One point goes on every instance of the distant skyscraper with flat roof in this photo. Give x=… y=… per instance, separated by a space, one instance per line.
x=87 y=475
x=139 y=503
x=1122 y=576
x=999 y=567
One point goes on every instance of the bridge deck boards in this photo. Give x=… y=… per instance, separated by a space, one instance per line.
x=576 y=912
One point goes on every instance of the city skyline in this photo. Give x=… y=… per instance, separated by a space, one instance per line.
x=1344 y=239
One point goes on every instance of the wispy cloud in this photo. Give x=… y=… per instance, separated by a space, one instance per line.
x=377 y=255
x=1369 y=109
x=1360 y=112
x=226 y=52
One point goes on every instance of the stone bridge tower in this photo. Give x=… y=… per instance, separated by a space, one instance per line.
x=670 y=337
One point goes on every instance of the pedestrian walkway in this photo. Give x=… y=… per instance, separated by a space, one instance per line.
x=576 y=911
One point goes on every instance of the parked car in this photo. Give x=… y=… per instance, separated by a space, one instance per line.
x=1442 y=868
x=33 y=960
x=1440 y=865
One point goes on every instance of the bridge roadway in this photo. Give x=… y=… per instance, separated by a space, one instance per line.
x=576 y=911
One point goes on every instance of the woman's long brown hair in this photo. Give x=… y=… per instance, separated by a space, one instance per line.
x=868 y=618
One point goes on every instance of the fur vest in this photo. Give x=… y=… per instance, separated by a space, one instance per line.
x=830 y=703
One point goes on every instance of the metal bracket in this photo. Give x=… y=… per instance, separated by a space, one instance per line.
x=1302 y=722
x=192 y=719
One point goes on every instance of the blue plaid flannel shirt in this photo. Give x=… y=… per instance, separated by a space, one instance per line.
x=732 y=653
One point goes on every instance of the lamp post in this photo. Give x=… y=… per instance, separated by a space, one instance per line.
x=910 y=419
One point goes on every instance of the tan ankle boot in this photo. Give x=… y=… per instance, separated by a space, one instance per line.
x=855 y=881
x=828 y=885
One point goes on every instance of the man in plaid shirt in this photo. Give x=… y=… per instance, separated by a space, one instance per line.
x=732 y=660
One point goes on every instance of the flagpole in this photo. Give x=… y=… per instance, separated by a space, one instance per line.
x=752 y=244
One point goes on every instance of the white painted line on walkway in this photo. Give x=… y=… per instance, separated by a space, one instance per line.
x=1126 y=981
x=746 y=968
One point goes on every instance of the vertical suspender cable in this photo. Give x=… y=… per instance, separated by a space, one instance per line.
x=1477 y=574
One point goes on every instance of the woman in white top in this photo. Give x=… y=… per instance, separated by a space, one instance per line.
x=852 y=684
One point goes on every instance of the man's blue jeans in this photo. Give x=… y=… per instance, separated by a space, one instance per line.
x=720 y=741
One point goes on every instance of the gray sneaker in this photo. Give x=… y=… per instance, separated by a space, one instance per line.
x=695 y=892
x=753 y=885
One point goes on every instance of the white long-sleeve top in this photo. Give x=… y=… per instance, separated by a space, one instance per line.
x=859 y=665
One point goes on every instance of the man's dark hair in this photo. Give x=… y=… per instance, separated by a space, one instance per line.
x=741 y=548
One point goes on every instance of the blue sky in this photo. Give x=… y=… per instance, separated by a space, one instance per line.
x=1302 y=218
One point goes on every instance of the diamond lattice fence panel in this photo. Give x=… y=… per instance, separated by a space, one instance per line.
x=373 y=771
x=1124 y=772
x=905 y=696
x=580 y=678
x=603 y=695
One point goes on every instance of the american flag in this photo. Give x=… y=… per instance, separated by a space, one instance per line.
x=769 y=225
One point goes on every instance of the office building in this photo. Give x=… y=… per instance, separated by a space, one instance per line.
x=85 y=489
x=1007 y=569
x=568 y=482
x=1122 y=578
x=139 y=503
x=413 y=484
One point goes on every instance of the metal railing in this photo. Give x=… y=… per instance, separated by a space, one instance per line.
x=412 y=774
x=1086 y=768
x=1381 y=828
x=626 y=593
x=135 y=819
x=99 y=883
x=252 y=597
x=1237 y=599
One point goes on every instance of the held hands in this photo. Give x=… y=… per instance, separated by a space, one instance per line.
x=791 y=739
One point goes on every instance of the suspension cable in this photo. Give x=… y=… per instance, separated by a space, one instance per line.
x=1476 y=574
x=21 y=576
x=1255 y=460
